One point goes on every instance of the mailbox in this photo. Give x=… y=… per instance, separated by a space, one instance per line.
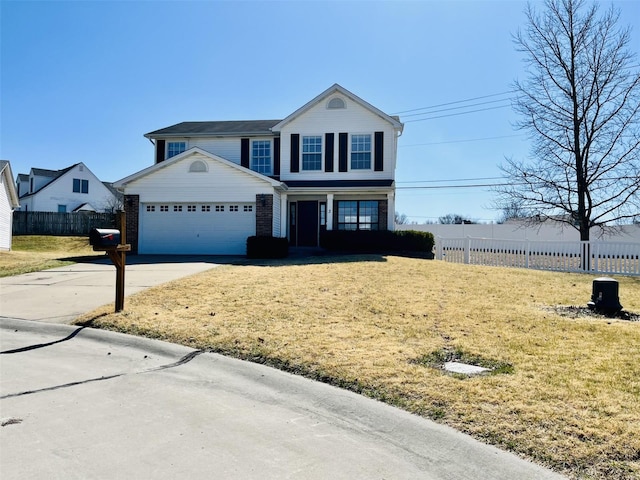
x=103 y=237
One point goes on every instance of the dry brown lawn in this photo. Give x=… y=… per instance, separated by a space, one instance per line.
x=32 y=253
x=568 y=395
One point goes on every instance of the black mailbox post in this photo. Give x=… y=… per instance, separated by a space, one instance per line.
x=103 y=237
x=113 y=242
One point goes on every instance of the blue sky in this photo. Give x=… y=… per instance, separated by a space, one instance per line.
x=83 y=81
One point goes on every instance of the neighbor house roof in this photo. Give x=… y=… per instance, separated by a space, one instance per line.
x=222 y=128
x=43 y=172
x=5 y=169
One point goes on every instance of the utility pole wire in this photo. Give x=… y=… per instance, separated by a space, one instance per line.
x=456 y=114
x=462 y=141
x=453 y=103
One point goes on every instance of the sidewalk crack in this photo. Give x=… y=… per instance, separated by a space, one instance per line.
x=185 y=359
x=43 y=345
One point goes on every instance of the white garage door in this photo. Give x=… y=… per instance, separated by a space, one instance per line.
x=209 y=228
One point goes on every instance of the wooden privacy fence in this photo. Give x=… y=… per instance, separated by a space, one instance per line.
x=54 y=223
x=621 y=258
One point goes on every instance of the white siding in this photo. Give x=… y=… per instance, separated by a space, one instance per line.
x=277 y=215
x=221 y=183
x=39 y=181
x=6 y=215
x=227 y=148
x=354 y=119
x=23 y=187
x=209 y=232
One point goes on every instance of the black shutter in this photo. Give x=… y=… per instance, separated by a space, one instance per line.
x=159 y=151
x=379 y=152
x=276 y=156
x=328 y=152
x=343 y=152
x=295 y=152
x=244 y=152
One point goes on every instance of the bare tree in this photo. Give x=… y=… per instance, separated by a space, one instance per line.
x=580 y=105
x=401 y=218
x=514 y=210
x=454 y=219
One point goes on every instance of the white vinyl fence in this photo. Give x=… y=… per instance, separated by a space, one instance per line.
x=622 y=258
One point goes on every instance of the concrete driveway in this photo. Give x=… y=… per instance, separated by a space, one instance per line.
x=89 y=404
x=61 y=294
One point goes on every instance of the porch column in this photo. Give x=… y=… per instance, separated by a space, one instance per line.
x=284 y=216
x=391 y=211
x=329 y=218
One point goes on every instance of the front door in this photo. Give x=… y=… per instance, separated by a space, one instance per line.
x=307 y=227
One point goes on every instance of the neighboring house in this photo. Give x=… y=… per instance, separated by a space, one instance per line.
x=8 y=203
x=72 y=189
x=329 y=165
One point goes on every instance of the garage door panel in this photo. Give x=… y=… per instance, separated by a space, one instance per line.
x=196 y=231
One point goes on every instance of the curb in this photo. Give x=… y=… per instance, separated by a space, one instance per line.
x=149 y=345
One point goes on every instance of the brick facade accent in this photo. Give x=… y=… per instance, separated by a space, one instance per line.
x=132 y=209
x=264 y=215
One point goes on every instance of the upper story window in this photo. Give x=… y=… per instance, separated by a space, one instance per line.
x=261 y=156
x=360 y=152
x=312 y=153
x=80 y=186
x=175 y=148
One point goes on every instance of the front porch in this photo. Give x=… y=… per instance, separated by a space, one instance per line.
x=306 y=216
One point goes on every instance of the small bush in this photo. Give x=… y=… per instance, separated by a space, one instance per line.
x=379 y=241
x=267 y=247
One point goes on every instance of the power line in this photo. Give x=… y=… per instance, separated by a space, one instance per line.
x=476 y=185
x=456 y=114
x=453 y=103
x=456 y=180
x=434 y=187
x=461 y=141
x=457 y=108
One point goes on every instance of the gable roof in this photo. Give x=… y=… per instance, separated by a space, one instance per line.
x=5 y=170
x=53 y=174
x=335 y=88
x=43 y=172
x=85 y=207
x=223 y=128
x=153 y=168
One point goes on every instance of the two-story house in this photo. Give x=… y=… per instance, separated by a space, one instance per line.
x=71 y=189
x=329 y=165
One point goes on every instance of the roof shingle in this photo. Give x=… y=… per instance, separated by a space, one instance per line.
x=222 y=128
